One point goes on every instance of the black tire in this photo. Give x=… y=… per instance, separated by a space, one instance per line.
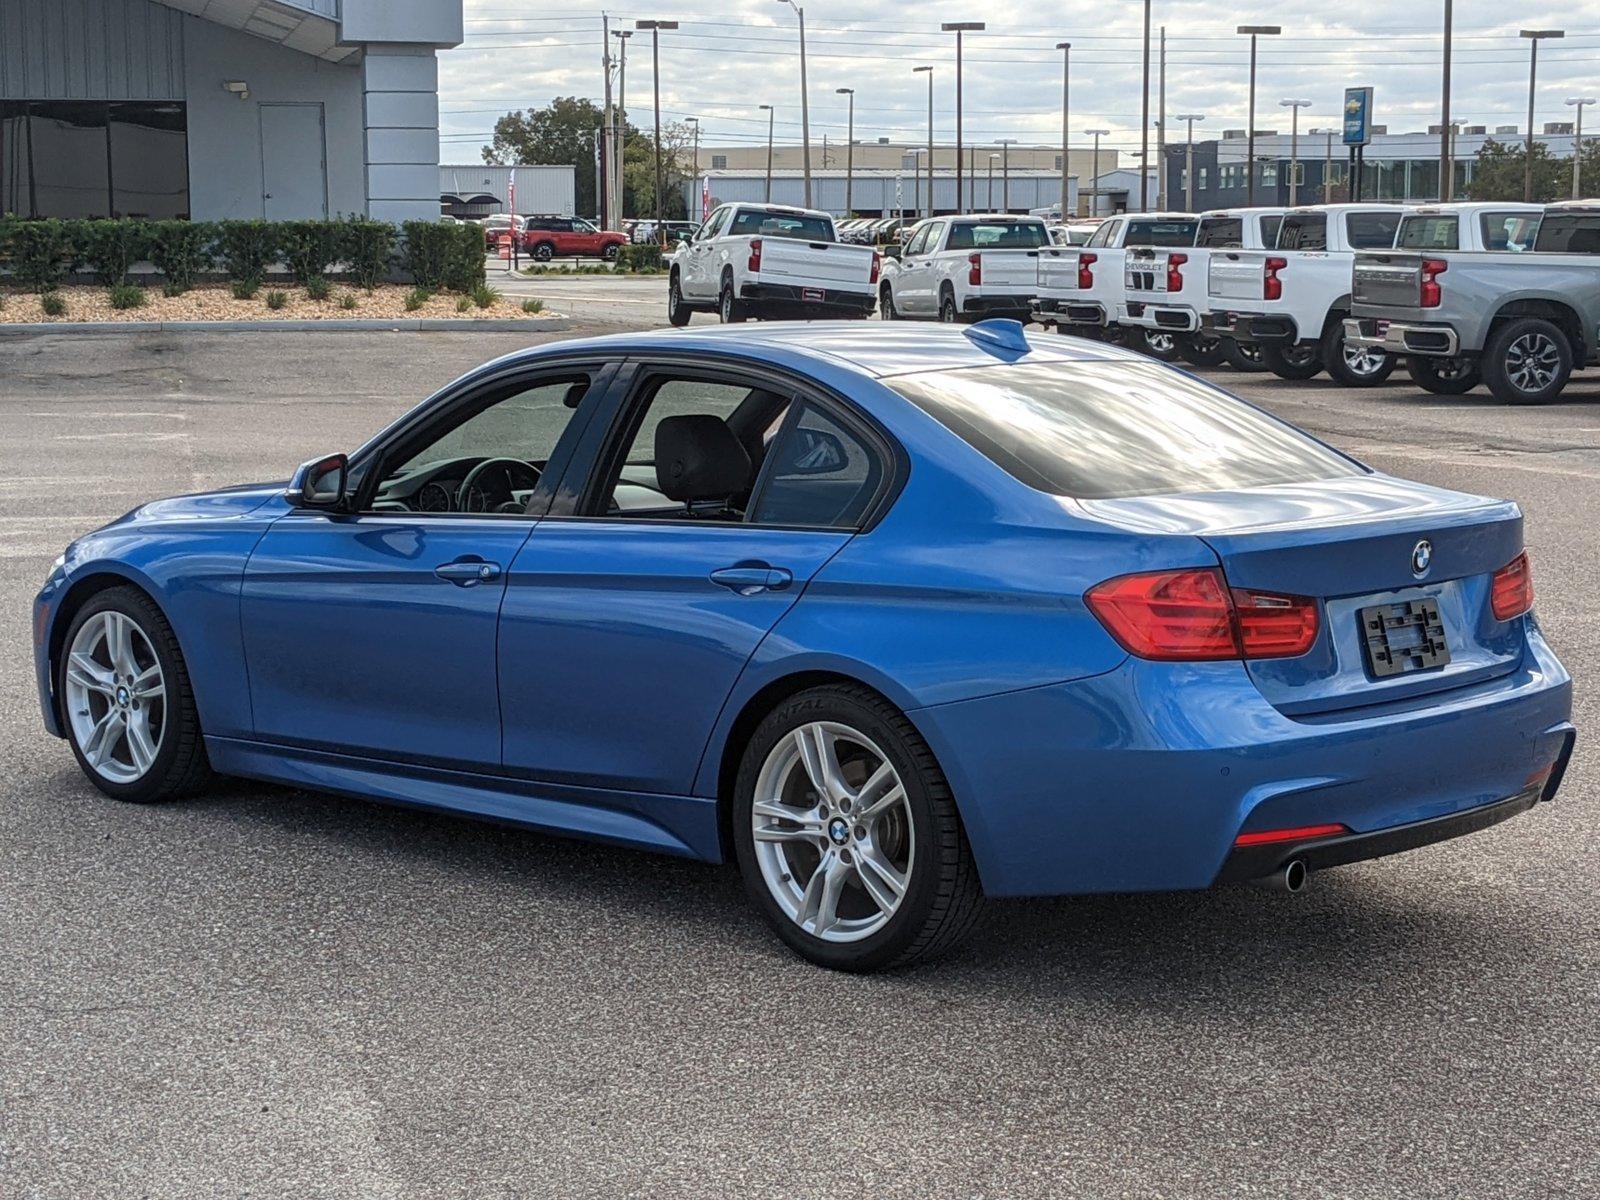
x=1201 y=349
x=678 y=313
x=1444 y=376
x=1159 y=344
x=1350 y=367
x=1296 y=360
x=886 y=308
x=1528 y=361
x=729 y=308
x=1243 y=356
x=949 y=314
x=544 y=252
x=180 y=766
x=610 y=252
x=943 y=897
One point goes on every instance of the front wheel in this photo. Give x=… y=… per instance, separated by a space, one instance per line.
x=1201 y=350
x=1528 y=361
x=1243 y=356
x=1353 y=366
x=886 y=309
x=544 y=252
x=1444 y=376
x=847 y=835
x=610 y=252
x=1297 y=360
x=678 y=312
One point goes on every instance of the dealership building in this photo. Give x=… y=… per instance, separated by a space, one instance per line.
x=218 y=109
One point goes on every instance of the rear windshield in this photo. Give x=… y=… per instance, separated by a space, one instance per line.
x=1429 y=233
x=1102 y=430
x=1303 y=231
x=1569 y=233
x=998 y=235
x=803 y=228
x=1221 y=231
x=1371 y=231
x=1159 y=233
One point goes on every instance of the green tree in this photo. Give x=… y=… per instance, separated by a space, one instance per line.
x=562 y=134
x=1498 y=174
x=639 y=171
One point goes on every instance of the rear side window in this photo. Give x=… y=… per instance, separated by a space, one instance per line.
x=1222 y=232
x=799 y=226
x=1511 y=231
x=820 y=474
x=1269 y=230
x=997 y=235
x=1105 y=430
x=1160 y=233
x=1103 y=235
x=1429 y=233
x=1371 y=231
x=1303 y=231
x=1569 y=233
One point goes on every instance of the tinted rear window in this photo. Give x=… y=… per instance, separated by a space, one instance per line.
x=1105 y=430
x=1159 y=233
x=1221 y=231
x=1429 y=233
x=1569 y=233
x=1371 y=231
x=998 y=235
x=786 y=225
x=1308 y=231
x=1269 y=230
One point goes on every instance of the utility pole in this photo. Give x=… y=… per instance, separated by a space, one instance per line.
x=1005 y=145
x=695 y=121
x=1188 y=159
x=768 y=109
x=849 y=153
x=1294 y=107
x=607 y=131
x=1534 y=36
x=958 y=28
x=1144 y=121
x=1094 y=201
x=655 y=28
x=1254 y=31
x=929 y=71
x=805 y=103
x=1579 y=103
x=1161 y=130
x=621 y=127
x=1066 y=123
x=1446 y=166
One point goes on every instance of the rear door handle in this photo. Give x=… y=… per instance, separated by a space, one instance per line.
x=748 y=579
x=468 y=572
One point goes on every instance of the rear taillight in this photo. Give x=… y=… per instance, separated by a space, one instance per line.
x=1174 y=271
x=1192 y=616
x=974 y=270
x=877 y=267
x=1271 y=285
x=1432 y=268
x=755 y=254
x=1511 y=589
x=1085 y=273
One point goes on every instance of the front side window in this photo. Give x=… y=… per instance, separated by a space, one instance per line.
x=1426 y=232
x=1372 y=231
x=998 y=235
x=1160 y=233
x=1303 y=231
x=800 y=226
x=918 y=242
x=1107 y=430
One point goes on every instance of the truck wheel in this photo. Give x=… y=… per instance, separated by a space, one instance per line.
x=1351 y=365
x=886 y=309
x=728 y=306
x=1159 y=344
x=1242 y=356
x=678 y=313
x=1299 y=360
x=1527 y=361
x=544 y=252
x=1200 y=349
x=1444 y=376
x=948 y=312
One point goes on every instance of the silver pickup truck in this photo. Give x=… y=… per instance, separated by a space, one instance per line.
x=1522 y=322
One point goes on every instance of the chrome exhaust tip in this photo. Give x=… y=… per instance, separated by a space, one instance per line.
x=1292 y=877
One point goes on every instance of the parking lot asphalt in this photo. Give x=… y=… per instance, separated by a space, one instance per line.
x=272 y=993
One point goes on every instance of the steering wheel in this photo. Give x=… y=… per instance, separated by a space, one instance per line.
x=491 y=485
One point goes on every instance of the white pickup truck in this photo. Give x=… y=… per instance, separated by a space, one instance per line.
x=764 y=260
x=965 y=268
x=1292 y=300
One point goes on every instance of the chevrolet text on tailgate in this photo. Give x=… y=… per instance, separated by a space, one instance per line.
x=1291 y=300
x=1477 y=301
x=964 y=268
x=764 y=260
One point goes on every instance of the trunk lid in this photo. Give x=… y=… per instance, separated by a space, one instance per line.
x=816 y=264
x=1010 y=270
x=1349 y=543
x=1236 y=275
x=1387 y=278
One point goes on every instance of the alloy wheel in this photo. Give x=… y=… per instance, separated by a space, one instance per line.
x=1532 y=362
x=1362 y=361
x=116 y=697
x=1161 y=343
x=832 y=829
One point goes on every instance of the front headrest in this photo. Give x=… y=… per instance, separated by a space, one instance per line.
x=699 y=458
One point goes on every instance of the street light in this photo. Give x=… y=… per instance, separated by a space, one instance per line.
x=620 y=129
x=655 y=28
x=958 y=28
x=929 y=72
x=1294 y=107
x=1005 y=145
x=1144 y=121
x=1066 y=121
x=1534 y=36
x=768 y=109
x=1254 y=31
x=990 y=202
x=1094 y=192
x=1446 y=165
x=805 y=104
x=849 y=151
x=1188 y=159
x=1579 y=103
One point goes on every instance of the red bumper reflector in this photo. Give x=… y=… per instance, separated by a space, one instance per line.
x=1301 y=833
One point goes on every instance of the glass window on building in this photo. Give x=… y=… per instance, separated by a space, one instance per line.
x=16 y=181
x=1423 y=179
x=1269 y=174
x=719 y=162
x=149 y=161
x=94 y=159
x=1385 y=179
x=1204 y=174
x=71 y=170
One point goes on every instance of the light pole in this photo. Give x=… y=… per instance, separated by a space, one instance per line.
x=621 y=128
x=1446 y=167
x=768 y=109
x=1066 y=121
x=655 y=28
x=695 y=121
x=1094 y=192
x=1579 y=103
x=929 y=72
x=1005 y=145
x=1144 y=121
x=1534 y=36
x=1188 y=159
x=958 y=28
x=917 y=195
x=989 y=204
x=1254 y=32
x=1294 y=107
x=805 y=104
x=849 y=152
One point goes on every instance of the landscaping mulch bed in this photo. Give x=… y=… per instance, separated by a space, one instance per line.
x=215 y=302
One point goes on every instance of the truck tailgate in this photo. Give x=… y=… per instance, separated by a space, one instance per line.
x=1009 y=271
x=1236 y=274
x=1384 y=277
x=833 y=265
x=1057 y=270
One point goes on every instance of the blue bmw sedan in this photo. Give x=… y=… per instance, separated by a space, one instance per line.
x=895 y=617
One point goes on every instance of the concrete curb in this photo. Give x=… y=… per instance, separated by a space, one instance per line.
x=331 y=325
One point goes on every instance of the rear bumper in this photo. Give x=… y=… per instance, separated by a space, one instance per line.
x=814 y=301
x=1049 y=311
x=1275 y=328
x=1175 y=318
x=1018 y=303
x=1399 y=337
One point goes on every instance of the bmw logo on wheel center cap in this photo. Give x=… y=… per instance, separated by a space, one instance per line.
x=1421 y=557
x=839 y=831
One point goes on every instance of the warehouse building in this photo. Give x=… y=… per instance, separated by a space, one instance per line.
x=478 y=190
x=215 y=109
x=879 y=193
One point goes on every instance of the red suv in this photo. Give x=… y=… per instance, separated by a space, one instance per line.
x=548 y=237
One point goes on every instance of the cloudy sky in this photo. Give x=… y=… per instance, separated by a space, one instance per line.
x=732 y=55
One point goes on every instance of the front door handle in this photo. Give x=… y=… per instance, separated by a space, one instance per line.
x=468 y=572
x=748 y=579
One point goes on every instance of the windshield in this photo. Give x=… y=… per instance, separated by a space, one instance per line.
x=1102 y=430
x=1160 y=233
x=800 y=226
x=998 y=235
x=1429 y=233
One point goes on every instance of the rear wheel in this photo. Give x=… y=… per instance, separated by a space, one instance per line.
x=847 y=835
x=948 y=312
x=544 y=252
x=1444 y=376
x=1159 y=344
x=729 y=308
x=1527 y=361
x=1201 y=349
x=1242 y=356
x=1353 y=366
x=1296 y=360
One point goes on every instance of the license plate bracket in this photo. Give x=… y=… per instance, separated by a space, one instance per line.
x=813 y=295
x=1404 y=637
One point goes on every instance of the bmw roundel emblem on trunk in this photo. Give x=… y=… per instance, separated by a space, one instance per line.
x=1421 y=557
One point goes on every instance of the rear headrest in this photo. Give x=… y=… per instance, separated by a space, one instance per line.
x=698 y=458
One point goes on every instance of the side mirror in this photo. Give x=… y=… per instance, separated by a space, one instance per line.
x=320 y=483
x=895 y=252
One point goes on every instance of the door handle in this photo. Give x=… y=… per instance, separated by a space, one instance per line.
x=468 y=572
x=748 y=579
